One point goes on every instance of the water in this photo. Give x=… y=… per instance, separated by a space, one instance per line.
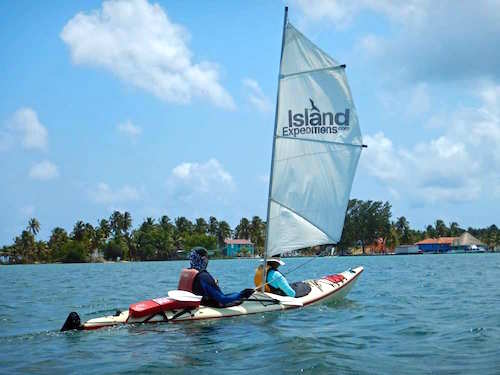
x=423 y=314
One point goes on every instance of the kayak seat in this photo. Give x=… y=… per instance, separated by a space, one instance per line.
x=301 y=289
x=186 y=279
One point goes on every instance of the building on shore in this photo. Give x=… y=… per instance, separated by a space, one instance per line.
x=464 y=243
x=377 y=247
x=468 y=243
x=407 y=250
x=238 y=247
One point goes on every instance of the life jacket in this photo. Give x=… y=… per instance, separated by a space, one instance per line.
x=203 y=277
x=268 y=288
x=257 y=279
x=186 y=279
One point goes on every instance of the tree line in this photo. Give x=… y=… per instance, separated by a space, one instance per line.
x=112 y=238
x=165 y=239
x=367 y=221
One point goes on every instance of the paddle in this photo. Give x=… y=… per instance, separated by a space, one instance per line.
x=284 y=300
x=184 y=296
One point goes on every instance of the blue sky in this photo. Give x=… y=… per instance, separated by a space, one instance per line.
x=167 y=107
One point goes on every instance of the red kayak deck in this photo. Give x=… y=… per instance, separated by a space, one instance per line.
x=157 y=305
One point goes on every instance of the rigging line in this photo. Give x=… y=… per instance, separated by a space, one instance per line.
x=294 y=269
x=290 y=75
x=302 y=217
x=307 y=262
x=321 y=141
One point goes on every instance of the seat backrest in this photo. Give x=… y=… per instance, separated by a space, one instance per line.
x=186 y=279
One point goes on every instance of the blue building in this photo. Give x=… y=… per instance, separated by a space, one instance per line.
x=436 y=245
x=238 y=247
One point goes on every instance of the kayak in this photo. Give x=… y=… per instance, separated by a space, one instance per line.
x=182 y=306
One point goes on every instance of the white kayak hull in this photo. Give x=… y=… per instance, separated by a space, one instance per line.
x=322 y=290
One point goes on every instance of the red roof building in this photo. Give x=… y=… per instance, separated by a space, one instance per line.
x=238 y=247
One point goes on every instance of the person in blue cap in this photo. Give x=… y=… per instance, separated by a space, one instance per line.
x=205 y=285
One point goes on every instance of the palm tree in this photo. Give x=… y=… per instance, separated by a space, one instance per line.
x=183 y=225
x=402 y=226
x=27 y=242
x=165 y=222
x=115 y=223
x=41 y=251
x=243 y=229
x=430 y=232
x=212 y=226
x=257 y=233
x=223 y=232
x=441 y=228
x=454 y=229
x=78 y=231
x=57 y=240
x=126 y=223
x=201 y=226
x=105 y=229
x=33 y=226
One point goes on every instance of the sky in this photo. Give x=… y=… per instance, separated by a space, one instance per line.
x=167 y=107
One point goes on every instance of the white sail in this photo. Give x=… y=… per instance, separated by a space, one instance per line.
x=316 y=148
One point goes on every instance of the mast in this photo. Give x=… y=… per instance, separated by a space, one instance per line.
x=264 y=266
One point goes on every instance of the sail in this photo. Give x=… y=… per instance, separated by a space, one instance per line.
x=317 y=145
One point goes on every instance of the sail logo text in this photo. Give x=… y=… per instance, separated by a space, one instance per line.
x=312 y=121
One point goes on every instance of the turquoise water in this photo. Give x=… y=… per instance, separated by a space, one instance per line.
x=422 y=314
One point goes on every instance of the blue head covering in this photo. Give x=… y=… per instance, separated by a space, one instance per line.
x=198 y=258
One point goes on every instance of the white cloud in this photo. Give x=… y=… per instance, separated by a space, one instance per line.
x=459 y=165
x=5 y=140
x=44 y=171
x=379 y=158
x=431 y=40
x=420 y=101
x=256 y=96
x=129 y=129
x=200 y=188
x=104 y=194
x=342 y=12
x=407 y=102
x=205 y=177
x=25 y=125
x=139 y=43
x=371 y=45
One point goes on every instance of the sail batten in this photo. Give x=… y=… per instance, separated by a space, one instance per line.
x=316 y=148
x=285 y=76
x=321 y=141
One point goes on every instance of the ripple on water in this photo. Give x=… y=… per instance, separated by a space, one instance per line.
x=412 y=315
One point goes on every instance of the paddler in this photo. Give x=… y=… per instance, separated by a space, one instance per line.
x=276 y=280
x=205 y=285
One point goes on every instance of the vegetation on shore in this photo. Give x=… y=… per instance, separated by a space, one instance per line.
x=164 y=239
